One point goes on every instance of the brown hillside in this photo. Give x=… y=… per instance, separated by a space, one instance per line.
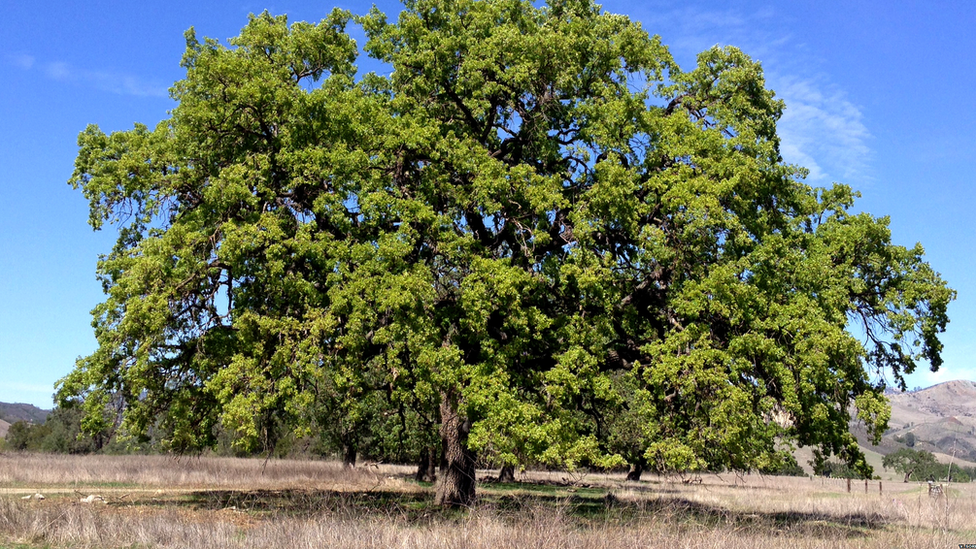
x=13 y=412
x=941 y=418
x=952 y=398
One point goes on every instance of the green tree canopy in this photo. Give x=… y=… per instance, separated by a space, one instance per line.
x=912 y=463
x=537 y=227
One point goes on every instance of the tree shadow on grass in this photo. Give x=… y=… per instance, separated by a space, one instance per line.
x=308 y=503
x=586 y=508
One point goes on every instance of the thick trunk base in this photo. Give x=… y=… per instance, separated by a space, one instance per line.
x=456 y=485
x=349 y=455
x=507 y=474
x=635 y=472
x=427 y=466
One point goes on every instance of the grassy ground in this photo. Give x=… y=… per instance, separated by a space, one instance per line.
x=215 y=502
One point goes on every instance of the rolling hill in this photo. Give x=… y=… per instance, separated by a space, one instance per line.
x=18 y=411
x=12 y=413
x=940 y=419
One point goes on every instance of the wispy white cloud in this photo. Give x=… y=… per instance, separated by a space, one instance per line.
x=821 y=128
x=923 y=377
x=958 y=363
x=109 y=81
x=58 y=71
x=21 y=60
x=27 y=387
x=690 y=29
x=125 y=84
x=39 y=395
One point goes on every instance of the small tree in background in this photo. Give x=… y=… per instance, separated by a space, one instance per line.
x=917 y=464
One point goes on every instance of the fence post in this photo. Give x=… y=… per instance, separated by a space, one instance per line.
x=848 y=486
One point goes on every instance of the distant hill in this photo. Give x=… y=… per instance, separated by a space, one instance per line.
x=940 y=419
x=952 y=398
x=12 y=413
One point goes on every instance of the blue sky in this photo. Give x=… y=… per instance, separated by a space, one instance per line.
x=878 y=94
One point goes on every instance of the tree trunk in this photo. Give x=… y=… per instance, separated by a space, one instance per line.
x=507 y=474
x=427 y=467
x=432 y=455
x=442 y=457
x=456 y=485
x=636 y=471
x=349 y=454
x=421 y=475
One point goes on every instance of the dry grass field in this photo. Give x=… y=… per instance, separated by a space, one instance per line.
x=154 y=501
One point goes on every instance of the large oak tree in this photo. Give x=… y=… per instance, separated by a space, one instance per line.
x=536 y=232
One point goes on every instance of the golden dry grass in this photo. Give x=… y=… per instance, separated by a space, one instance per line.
x=215 y=502
x=53 y=470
